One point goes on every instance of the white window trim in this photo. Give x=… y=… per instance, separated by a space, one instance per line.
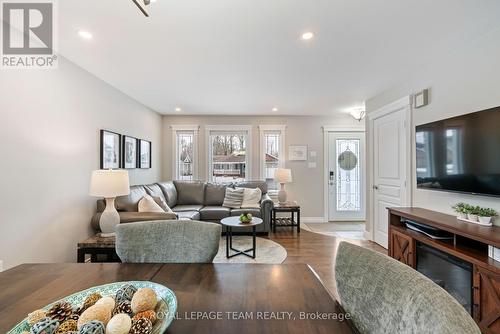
x=281 y=128
x=228 y=128
x=184 y=128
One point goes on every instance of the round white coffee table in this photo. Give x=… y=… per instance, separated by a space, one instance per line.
x=231 y=222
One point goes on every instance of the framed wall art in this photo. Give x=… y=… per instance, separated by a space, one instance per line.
x=130 y=152
x=297 y=152
x=110 y=152
x=144 y=153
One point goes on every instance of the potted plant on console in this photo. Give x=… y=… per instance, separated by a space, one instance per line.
x=485 y=215
x=474 y=214
x=461 y=210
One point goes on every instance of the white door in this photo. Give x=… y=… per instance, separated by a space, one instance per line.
x=390 y=161
x=346 y=152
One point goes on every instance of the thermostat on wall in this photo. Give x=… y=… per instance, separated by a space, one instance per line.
x=421 y=99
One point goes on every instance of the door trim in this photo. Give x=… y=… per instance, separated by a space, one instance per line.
x=326 y=155
x=405 y=104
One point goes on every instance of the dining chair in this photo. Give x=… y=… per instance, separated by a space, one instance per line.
x=384 y=296
x=168 y=241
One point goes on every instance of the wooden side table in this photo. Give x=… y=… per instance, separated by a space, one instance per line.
x=288 y=207
x=100 y=249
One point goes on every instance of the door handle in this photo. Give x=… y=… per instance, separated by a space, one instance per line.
x=375 y=187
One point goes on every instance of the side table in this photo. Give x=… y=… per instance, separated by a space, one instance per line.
x=100 y=249
x=231 y=222
x=287 y=207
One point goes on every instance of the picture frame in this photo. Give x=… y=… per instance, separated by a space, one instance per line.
x=130 y=153
x=110 y=150
x=144 y=160
x=297 y=152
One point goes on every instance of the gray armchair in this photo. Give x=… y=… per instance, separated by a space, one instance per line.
x=384 y=296
x=168 y=241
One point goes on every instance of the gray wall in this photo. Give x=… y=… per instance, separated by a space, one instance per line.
x=49 y=140
x=463 y=81
x=307 y=187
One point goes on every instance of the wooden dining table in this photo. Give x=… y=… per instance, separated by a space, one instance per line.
x=212 y=298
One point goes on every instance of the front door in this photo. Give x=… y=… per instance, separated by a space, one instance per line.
x=389 y=169
x=346 y=176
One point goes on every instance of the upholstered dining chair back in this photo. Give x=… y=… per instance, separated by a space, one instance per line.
x=384 y=296
x=168 y=241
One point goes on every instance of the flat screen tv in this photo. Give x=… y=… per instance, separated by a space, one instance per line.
x=460 y=154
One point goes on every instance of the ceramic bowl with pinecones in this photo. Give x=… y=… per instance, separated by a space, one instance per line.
x=142 y=307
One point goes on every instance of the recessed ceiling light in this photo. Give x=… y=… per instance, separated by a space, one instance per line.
x=178 y=109
x=275 y=109
x=307 y=36
x=84 y=34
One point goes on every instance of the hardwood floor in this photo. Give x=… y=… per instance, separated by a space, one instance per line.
x=317 y=250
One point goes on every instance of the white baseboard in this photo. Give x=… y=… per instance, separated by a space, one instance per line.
x=313 y=220
x=367 y=235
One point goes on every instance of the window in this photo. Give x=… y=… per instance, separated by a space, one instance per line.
x=185 y=139
x=272 y=142
x=229 y=152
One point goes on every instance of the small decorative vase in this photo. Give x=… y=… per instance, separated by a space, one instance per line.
x=461 y=215
x=472 y=217
x=485 y=220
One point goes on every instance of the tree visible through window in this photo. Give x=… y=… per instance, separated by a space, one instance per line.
x=229 y=160
x=185 y=156
x=272 y=158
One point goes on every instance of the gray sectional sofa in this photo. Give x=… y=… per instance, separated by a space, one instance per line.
x=191 y=200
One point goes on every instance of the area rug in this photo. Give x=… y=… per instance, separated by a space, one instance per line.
x=345 y=230
x=267 y=251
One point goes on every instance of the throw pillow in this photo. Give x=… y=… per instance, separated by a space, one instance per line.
x=148 y=204
x=251 y=198
x=161 y=202
x=233 y=198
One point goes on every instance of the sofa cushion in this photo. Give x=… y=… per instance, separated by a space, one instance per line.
x=215 y=193
x=155 y=191
x=234 y=198
x=181 y=208
x=190 y=192
x=238 y=212
x=214 y=212
x=129 y=203
x=251 y=198
x=170 y=192
x=193 y=215
x=253 y=184
x=148 y=204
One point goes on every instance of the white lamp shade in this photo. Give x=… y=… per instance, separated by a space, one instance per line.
x=283 y=175
x=109 y=183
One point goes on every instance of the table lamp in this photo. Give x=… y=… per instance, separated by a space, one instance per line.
x=109 y=184
x=282 y=175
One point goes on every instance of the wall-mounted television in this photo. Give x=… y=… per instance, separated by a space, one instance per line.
x=460 y=154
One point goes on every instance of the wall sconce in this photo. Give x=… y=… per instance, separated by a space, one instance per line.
x=358 y=113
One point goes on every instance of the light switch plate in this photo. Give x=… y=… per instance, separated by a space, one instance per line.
x=311 y=165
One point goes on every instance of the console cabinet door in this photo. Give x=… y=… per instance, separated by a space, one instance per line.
x=486 y=300
x=402 y=248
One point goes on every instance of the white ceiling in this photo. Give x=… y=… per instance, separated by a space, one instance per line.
x=235 y=57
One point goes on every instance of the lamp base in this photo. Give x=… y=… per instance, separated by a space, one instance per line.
x=109 y=219
x=282 y=194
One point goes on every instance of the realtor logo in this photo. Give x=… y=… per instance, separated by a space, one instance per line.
x=28 y=35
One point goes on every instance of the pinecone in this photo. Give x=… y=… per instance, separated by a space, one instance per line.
x=67 y=326
x=141 y=326
x=123 y=307
x=91 y=300
x=60 y=311
x=73 y=316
